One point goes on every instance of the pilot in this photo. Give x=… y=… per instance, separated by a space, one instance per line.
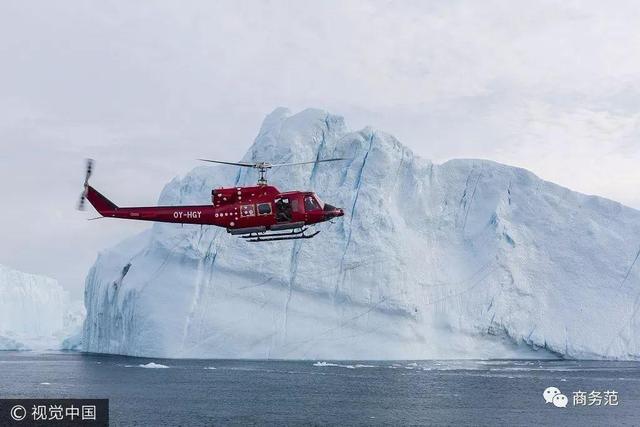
x=283 y=209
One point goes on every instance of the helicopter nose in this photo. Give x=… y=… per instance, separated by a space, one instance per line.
x=332 y=211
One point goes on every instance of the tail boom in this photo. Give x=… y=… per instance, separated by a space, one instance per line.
x=177 y=214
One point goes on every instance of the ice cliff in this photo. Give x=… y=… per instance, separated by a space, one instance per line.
x=466 y=259
x=35 y=312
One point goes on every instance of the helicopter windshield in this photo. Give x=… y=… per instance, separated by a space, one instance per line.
x=320 y=202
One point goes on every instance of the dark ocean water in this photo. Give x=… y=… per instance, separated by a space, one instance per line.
x=191 y=392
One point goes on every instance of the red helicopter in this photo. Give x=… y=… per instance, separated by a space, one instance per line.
x=259 y=214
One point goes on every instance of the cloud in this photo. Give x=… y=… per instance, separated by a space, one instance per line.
x=146 y=87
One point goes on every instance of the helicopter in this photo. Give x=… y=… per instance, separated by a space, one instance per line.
x=259 y=213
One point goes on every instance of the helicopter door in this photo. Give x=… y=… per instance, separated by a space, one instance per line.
x=284 y=211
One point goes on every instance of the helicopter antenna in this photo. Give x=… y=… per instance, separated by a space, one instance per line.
x=263 y=167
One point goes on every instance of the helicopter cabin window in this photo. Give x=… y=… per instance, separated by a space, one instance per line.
x=311 y=204
x=247 y=210
x=264 y=208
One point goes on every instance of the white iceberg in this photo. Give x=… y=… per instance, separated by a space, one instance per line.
x=466 y=259
x=35 y=312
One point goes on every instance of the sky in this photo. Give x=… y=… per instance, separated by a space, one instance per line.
x=146 y=87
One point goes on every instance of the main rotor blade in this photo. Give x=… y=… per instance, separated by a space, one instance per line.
x=307 y=163
x=246 y=165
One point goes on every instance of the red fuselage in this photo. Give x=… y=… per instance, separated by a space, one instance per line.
x=233 y=208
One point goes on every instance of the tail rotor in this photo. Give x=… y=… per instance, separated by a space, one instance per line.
x=83 y=196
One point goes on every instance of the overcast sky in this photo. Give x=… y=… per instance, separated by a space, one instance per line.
x=146 y=87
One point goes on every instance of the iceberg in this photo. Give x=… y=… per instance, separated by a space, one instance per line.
x=465 y=259
x=35 y=312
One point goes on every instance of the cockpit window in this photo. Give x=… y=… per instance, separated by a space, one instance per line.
x=320 y=202
x=311 y=204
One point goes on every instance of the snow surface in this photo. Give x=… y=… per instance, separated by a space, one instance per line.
x=467 y=259
x=35 y=312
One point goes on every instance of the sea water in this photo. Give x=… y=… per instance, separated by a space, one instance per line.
x=221 y=392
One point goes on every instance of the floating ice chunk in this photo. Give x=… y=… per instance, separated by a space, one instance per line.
x=153 y=365
x=337 y=365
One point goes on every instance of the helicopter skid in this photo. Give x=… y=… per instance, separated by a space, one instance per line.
x=270 y=237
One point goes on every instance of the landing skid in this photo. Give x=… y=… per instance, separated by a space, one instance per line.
x=272 y=237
